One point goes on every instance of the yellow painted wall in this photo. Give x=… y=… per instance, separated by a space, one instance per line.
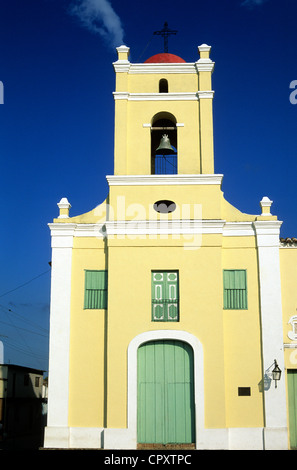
x=242 y=339
x=87 y=340
x=135 y=202
x=133 y=141
x=149 y=83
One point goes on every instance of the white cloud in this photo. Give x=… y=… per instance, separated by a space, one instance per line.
x=99 y=17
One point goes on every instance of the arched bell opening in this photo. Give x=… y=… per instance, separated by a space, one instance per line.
x=164 y=145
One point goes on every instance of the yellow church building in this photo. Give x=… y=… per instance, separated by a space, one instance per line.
x=173 y=314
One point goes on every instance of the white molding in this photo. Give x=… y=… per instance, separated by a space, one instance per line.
x=165 y=227
x=149 y=67
x=64 y=437
x=202 y=94
x=90 y=230
x=85 y=438
x=275 y=438
x=267 y=232
x=56 y=437
x=204 y=48
x=62 y=234
x=162 y=67
x=122 y=66
x=191 y=96
x=245 y=438
x=204 y=65
x=108 y=228
x=120 y=95
x=123 y=48
x=238 y=229
x=152 y=180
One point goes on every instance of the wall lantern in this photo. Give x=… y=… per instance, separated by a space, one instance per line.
x=276 y=373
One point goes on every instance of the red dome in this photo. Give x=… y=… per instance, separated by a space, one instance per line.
x=164 y=57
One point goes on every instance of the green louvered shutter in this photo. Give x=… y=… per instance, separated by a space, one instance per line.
x=165 y=296
x=235 y=289
x=95 y=289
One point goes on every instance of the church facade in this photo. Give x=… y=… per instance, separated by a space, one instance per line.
x=172 y=313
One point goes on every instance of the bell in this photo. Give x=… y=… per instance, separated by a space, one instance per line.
x=165 y=147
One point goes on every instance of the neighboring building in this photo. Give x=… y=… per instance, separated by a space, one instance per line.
x=170 y=308
x=20 y=407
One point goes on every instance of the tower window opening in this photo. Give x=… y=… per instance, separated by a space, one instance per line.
x=164 y=146
x=163 y=85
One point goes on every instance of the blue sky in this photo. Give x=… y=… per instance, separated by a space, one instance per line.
x=56 y=123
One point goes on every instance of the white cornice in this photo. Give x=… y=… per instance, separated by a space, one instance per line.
x=164 y=227
x=202 y=94
x=202 y=65
x=63 y=233
x=267 y=233
x=184 y=67
x=134 y=227
x=153 y=180
x=191 y=96
x=122 y=66
x=238 y=229
x=62 y=229
x=267 y=227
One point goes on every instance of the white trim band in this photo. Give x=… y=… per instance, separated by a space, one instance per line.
x=152 y=180
x=123 y=95
x=189 y=96
x=164 y=227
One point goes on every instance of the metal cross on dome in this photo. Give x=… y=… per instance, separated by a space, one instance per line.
x=165 y=32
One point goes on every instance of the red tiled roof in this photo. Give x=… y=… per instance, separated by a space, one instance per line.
x=289 y=240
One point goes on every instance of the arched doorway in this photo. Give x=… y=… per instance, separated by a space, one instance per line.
x=165 y=393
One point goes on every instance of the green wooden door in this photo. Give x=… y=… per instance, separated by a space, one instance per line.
x=292 y=396
x=166 y=412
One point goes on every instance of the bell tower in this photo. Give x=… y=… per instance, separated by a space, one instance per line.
x=163 y=115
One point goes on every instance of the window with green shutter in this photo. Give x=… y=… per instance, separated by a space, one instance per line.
x=235 y=289
x=165 y=296
x=95 y=289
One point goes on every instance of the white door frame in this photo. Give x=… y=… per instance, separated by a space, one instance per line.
x=198 y=376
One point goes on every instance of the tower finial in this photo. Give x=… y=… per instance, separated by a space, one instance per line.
x=165 y=32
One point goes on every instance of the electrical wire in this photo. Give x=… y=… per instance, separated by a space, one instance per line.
x=150 y=40
x=24 y=329
x=24 y=319
x=25 y=284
